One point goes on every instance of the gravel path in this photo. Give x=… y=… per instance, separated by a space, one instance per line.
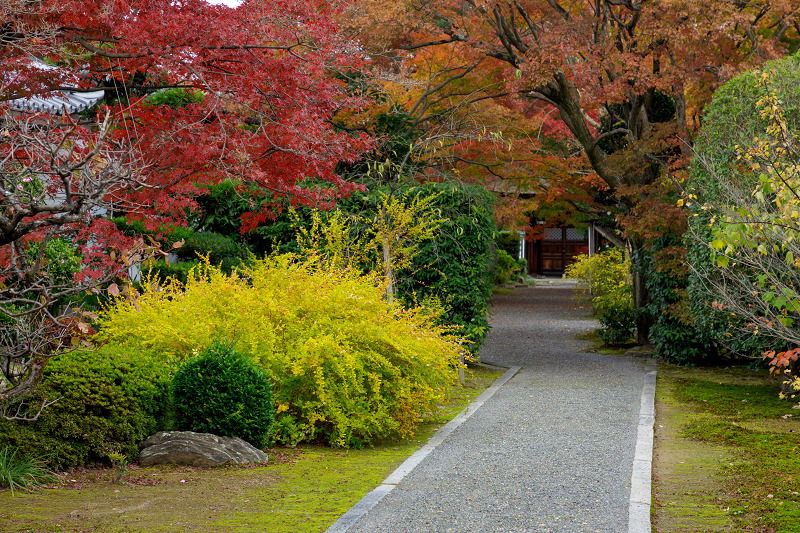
x=551 y=451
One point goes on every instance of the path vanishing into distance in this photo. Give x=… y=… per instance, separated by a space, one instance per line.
x=562 y=446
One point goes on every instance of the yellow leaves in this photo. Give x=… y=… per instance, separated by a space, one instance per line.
x=343 y=363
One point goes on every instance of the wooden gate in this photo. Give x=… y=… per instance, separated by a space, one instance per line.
x=558 y=249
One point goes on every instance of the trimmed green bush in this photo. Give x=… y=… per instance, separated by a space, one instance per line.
x=224 y=393
x=732 y=122
x=109 y=400
x=219 y=249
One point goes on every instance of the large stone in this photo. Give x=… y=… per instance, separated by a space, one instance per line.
x=197 y=449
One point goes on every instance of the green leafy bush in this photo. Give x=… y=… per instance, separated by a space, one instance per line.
x=608 y=276
x=175 y=98
x=219 y=248
x=224 y=393
x=161 y=270
x=62 y=259
x=675 y=333
x=108 y=400
x=165 y=236
x=506 y=268
x=617 y=325
x=740 y=243
x=508 y=241
x=456 y=266
x=346 y=367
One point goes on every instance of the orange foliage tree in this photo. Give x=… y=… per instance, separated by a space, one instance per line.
x=626 y=79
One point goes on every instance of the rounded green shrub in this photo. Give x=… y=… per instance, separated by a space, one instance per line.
x=109 y=401
x=617 y=325
x=718 y=180
x=219 y=249
x=224 y=393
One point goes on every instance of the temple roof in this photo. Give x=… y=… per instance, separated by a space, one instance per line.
x=55 y=102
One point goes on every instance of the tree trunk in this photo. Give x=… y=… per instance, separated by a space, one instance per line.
x=641 y=296
x=388 y=272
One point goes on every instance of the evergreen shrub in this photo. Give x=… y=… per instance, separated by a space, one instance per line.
x=732 y=122
x=109 y=400
x=675 y=333
x=506 y=268
x=508 y=241
x=456 y=266
x=224 y=393
x=219 y=248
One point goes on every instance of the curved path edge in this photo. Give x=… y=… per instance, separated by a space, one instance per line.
x=641 y=479
x=371 y=500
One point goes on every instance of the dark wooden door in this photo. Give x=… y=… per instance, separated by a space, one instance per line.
x=559 y=248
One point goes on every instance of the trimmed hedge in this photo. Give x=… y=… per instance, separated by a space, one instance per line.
x=109 y=401
x=224 y=393
x=730 y=122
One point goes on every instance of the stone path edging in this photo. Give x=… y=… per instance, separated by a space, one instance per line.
x=371 y=500
x=641 y=479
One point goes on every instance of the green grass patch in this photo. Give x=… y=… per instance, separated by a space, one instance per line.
x=304 y=489
x=743 y=445
x=502 y=290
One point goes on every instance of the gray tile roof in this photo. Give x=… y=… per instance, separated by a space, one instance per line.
x=56 y=101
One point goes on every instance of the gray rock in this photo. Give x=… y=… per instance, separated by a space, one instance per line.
x=197 y=449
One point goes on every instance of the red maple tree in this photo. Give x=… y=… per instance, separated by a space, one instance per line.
x=265 y=122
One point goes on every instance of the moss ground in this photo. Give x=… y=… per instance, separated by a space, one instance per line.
x=726 y=453
x=300 y=490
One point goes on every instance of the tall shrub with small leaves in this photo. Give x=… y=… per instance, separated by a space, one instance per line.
x=346 y=366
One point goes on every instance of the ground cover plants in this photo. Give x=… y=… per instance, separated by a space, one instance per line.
x=726 y=452
x=18 y=472
x=303 y=489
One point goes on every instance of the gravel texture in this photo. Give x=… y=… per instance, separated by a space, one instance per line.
x=551 y=451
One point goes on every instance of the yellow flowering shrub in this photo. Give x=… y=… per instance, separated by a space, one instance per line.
x=346 y=366
x=608 y=275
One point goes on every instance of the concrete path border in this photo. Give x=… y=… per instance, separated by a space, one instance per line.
x=371 y=500
x=641 y=480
